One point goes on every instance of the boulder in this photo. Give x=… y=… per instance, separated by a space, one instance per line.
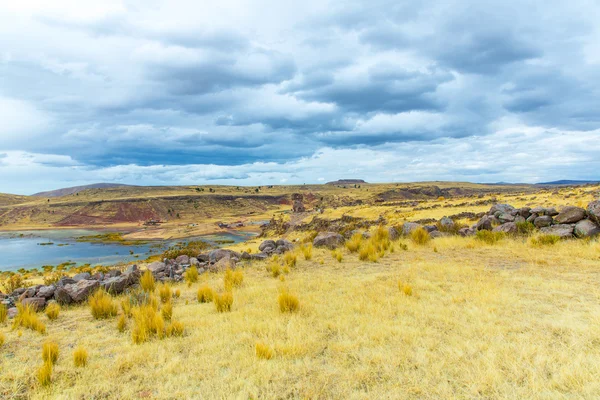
x=593 y=210
x=484 y=224
x=586 y=228
x=115 y=272
x=519 y=219
x=330 y=240
x=259 y=256
x=543 y=221
x=446 y=223
x=12 y=312
x=194 y=261
x=430 y=228
x=464 y=232
x=82 y=276
x=46 y=292
x=182 y=259
x=65 y=281
x=506 y=217
x=130 y=269
x=502 y=208
x=157 y=267
x=551 y=212
x=133 y=277
x=532 y=217
x=222 y=264
x=408 y=227
x=508 y=227
x=81 y=290
x=62 y=296
x=245 y=256
x=203 y=258
x=525 y=212
x=437 y=234
x=38 y=303
x=393 y=233
x=218 y=254
x=563 y=231
x=30 y=292
x=116 y=285
x=538 y=210
x=267 y=243
x=570 y=215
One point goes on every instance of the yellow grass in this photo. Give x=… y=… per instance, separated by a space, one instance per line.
x=122 y=323
x=102 y=305
x=44 y=374
x=337 y=255
x=3 y=313
x=191 y=275
x=420 y=236
x=50 y=352
x=80 y=357
x=263 y=351
x=27 y=318
x=288 y=303
x=307 y=251
x=484 y=322
x=205 y=294
x=233 y=279
x=165 y=293
x=52 y=311
x=353 y=244
x=147 y=281
x=175 y=328
x=2 y=339
x=223 y=301
x=167 y=311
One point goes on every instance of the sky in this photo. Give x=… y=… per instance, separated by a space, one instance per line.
x=183 y=92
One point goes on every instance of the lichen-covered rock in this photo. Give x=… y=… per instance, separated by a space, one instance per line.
x=81 y=290
x=503 y=208
x=393 y=233
x=570 y=215
x=157 y=267
x=330 y=240
x=218 y=254
x=509 y=227
x=484 y=224
x=586 y=228
x=563 y=231
x=446 y=223
x=116 y=285
x=46 y=292
x=267 y=244
x=62 y=296
x=543 y=221
x=183 y=259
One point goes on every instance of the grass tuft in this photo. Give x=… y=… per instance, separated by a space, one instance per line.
x=274 y=268
x=337 y=254
x=2 y=339
x=191 y=275
x=205 y=294
x=175 y=329
x=165 y=293
x=368 y=252
x=44 y=374
x=290 y=259
x=148 y=323
x=420 y=236
x=122 y=323
x=233 y=279
x=263 y=351
x=354 y=243
x=50 y=352
x=3 y=313
x=489 y=237
x=405 y=288
x=27 y=318
x=177 y=294
x=544 y=240
x=223 y=301
x=167 y=311
x=102 y=305
x=147 y=282
x=307 y=251
x=52 y=311
x=80 y=357
x=288 y=302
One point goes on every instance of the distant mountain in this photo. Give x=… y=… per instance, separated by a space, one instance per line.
x=77 y=189
x=346 y=182
x=567 y=182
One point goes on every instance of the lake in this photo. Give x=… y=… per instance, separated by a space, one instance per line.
x=25 y=249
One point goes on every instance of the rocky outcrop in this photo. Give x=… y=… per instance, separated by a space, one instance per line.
x=331 y=240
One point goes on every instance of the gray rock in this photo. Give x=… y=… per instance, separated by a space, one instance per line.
x=430 y=228
x=593 y=210
x=38 y=303
x=81 y=290
x=446 y=223
x=259 y=256
x=519 y=219
x=525 y=212
x=157 y=267
x=551 y=212
x=506 y=217
x=64 y=281
x=267 y=243
x=464 y=232
x=222 y=264
x=246 y=256
x=408 y=227
x=194 y=261
x=570 y=215
x=131 y=268
x=538 y=210
x=12 y=312
x=115 y=272
x=203 y=258
x=586 y=228
x=218 y=254
x=82 y=276
x=563 y=231
x=46 y=292
x=532 y=217
x=133 y=277
x=182 y=259
x=29 y=292
x=508 y=227
x=330 y=240
x=543 y=221
x=62 y=296
x=283 y=242
x=484 y=224
x=503 y=208
x=116 y=285
x=393 y=233
x=438 y=234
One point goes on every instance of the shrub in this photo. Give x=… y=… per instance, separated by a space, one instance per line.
x=288 y=302
x=52 y=311
x=80 y=357
x=420 y=236
x=223 y=301
x=381 y=238
x=337 y=254
x=190 y=249
x=191 y=275
x=164 y=291
x=147 y=281
x=405 y=288
x=175 y=329
x=353 y=244
x=44 y=374
x=50 y=352
x=263 y=351
x=3 y=313
x=14 y=282
x=368 y=252
x=290 y=259
x=525 y=228
x=544 y=240
x=307 y=251
x=167 y=311
x=233 y=279
x=122 y=323
x=51 y=279
x=27 y=318
x=205 y=294
x=102 y=305
x=489 y=237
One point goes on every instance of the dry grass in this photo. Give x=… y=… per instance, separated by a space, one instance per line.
x=102 y=305
x=167 y=311
x=80 y=357
x=288 y=303
x=50 y=352
x=307 y=251
x=52 y=311
x=2 y=339
x=147 y=282
x=223 y=301
x=290 y=259
x=353 y=244
x=3 y=313
x=263 y=351
x=147 y=323
x=420 y=236
x=165 y=293
x=122 y=323
x=490 y=237
x=484 y=322
x=175 y=329
x=44 y=374
x=544 y=240
x=205 y=294
x=405 y=288
x=233 y=279
x=27 y=318
x=337 y=255
x=191 y=275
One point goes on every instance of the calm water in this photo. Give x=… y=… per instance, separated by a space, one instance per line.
x=25 y=251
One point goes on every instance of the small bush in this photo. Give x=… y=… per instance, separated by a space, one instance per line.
x=51 y=279
x=27 y=318
x=80 y=357
x=525 y=228
x=307 y=251
x=102 y=305
x=223 y=301
x=205 y=294
x=164 y=291
x=13 y=283
x=191 y=275
x=288 y=302
x=44 y=374
x=544 y=240
x=52 y=311
x=420 y=236
x=405 y=288
x=290 y=259
x=167 y=311
x=122 y=323
x=263 y=351
x=233 y=279
x=190 y=249
x=50 y=352
x=353 y=244
x=3 y=313
x=147 y=281
x=337 y=254
x=175 y=329
x=489 y=237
